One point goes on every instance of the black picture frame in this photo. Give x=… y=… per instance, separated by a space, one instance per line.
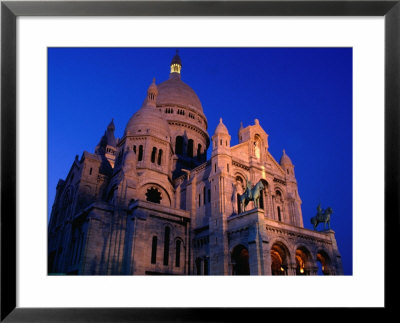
x=10 y=10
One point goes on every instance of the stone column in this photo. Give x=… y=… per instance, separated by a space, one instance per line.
x=313 y=270
x=292 y=269
x=273 y=209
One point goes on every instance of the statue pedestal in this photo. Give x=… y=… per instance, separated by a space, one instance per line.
x=248 y=229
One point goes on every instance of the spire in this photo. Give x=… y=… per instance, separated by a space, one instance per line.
x=111 y=126
x=176 y=64
x=108 y=139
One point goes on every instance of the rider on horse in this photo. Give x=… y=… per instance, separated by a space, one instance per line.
x=249 y=186
x=320 y=211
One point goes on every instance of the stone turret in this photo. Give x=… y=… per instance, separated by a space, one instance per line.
x=107 y=145
x=286 y=164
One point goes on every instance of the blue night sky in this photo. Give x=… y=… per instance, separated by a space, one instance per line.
x=302 y=97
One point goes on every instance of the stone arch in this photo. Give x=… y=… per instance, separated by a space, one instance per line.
x=258 y=143
x=155 y=193
x=263 y=195
x=279 y=203
x=325 y=262
x=239 y=188
x=304 y=261
x=278 y=191
x=242 y=177
x=201 y=193
x=240 y=260
x=179 y=251
x=280 y=258
x=179 y=238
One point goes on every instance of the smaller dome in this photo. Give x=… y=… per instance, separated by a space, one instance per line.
x=221 y=128
x=153 y=87
x=285 y=160
x=149 y=118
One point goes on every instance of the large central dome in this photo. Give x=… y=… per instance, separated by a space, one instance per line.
x=175 y=92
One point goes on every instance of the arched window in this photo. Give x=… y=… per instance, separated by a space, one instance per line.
x=153 y=155
x=178 y=253
x=279 y=213
x=257 y=146
x=209 y=195
x=240 y=261
x=190 y=148
x=179 y=145
x=154 y=250
x=204 y=195
x=134 y=149
x=238 y=203
x=159 y=156
x=166 y=245
x=323 y=263
x=140 y=156
x=262 y=199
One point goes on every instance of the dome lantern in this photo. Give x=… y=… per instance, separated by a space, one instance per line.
x=176 y=65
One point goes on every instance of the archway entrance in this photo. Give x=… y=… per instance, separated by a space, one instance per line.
x=240 y=261
x=279 y=256
x=302 y=261
x=323 y=263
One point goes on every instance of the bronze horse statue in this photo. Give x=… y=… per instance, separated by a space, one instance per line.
x=322 y=217
x=251 y=195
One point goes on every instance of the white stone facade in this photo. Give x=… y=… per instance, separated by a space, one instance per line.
x=150 y=203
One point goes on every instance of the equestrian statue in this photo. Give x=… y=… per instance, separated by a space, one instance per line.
x=251 y=194
x=323 y=216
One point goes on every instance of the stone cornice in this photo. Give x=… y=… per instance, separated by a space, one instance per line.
x=240 y=165
x=191 y=127
x=296 y=232
x=153 y=207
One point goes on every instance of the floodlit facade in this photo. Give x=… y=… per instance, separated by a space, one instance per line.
x=151 y=203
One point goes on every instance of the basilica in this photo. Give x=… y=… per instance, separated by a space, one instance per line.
x=150 y=203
